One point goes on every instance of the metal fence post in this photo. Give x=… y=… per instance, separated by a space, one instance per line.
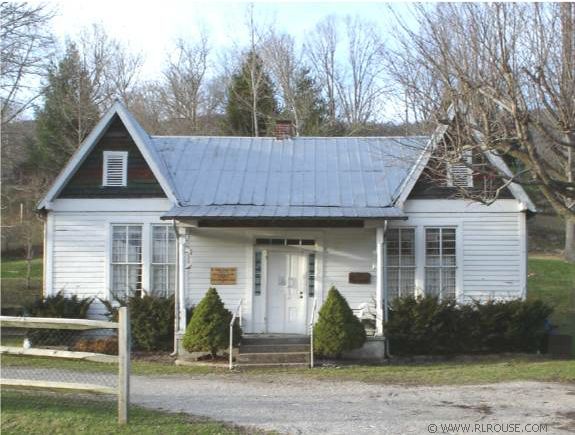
x=124 y=341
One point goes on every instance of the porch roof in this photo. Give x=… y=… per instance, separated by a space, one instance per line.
x=283 y=212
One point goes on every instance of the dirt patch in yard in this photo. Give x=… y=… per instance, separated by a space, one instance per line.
x=482 y=409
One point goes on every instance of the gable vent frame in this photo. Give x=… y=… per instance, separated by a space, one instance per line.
x=115 y=170
x=461 y=174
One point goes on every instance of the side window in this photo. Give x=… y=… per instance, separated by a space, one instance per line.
x=440 y=262
x=115 y=170
x=400 y=243
x=126 y=267
x=163 y=267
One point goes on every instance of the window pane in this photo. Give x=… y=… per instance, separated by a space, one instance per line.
x=134 y=244
x=432 y=281
x=448 y=283
x=407 y=247
x=407 y=282
x=159 y=280
x=258 y=273
x=311 y=275
x=172 y=246
x=119 y=280
x=134 y=277
x=119 y=244
x=392 y=283
x=432 y=242
x=159 y=248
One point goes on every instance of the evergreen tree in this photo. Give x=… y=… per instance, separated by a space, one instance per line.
x=208 y=330
x=251 y=103
x=68 y=115
x=309 y=103
x=337 y=329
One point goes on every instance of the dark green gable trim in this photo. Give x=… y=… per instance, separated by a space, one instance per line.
x=87 y=181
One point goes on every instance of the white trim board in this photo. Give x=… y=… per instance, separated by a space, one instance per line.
x=82 y=152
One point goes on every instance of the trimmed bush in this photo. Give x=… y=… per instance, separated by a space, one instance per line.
x=337 y=329
x=426 y=326
x=59 y=306
x=208 y=330
x=151 y=320
x=56 y=306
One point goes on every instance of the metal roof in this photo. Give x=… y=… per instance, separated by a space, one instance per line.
x=276 y=212
x=297 y=177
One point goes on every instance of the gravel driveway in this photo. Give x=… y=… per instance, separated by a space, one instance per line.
x=303 y=406
x=288 y=404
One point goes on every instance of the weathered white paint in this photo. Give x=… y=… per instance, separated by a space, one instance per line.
x=491 y=253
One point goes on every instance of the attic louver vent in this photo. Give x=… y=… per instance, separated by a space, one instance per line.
x=461 y=174
x=115 y=168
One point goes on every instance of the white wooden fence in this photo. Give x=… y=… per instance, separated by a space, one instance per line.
x=122 y=390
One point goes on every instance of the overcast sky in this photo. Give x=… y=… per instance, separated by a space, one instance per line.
x=151 y=27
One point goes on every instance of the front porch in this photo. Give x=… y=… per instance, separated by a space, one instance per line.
x=277 y=278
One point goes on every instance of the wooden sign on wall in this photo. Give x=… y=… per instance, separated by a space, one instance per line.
x=223 y=275
x=359 y=278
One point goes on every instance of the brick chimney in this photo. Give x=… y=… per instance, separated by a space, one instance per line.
x=284 y=129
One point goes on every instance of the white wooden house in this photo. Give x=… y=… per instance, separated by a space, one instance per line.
x=274 y=222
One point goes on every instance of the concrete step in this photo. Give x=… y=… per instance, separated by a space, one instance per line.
x=273 y=358
x=275 y=348
x=248 y=366
x=277 y=340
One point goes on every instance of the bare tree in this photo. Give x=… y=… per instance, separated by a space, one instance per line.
x=111 y=68
x=185 y=80
x=508 y=70
x=361 y=88
x=26 y=45
x=279 y=54
x=321 y=48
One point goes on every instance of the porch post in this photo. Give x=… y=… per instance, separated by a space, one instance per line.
x=181 y=282
x=379 y=282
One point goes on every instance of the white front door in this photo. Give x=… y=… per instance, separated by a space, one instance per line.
x=286 y=297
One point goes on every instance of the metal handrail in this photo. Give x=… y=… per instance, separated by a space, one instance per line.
x=312 y=321
x=237 y=314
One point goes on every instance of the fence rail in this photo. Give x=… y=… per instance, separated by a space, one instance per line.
x=122 y=389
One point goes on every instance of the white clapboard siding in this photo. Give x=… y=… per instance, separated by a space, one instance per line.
x=209 y=249
x=350 y=250
x=80 y=247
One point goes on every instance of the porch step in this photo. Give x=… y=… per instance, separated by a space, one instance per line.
x=274 y=339
x=273 y=348
x=273 y=365
x=272 y=358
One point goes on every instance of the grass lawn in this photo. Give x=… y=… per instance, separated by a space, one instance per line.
x=55 y=413
x=13 y=275
x=487 y=370
x=553 y=281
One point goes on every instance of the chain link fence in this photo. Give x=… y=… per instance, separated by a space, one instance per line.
x=71 y=356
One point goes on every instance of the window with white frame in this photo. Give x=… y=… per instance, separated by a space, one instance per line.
x=126 y=267
x=163 y=259
x=115 y=171
x=440 y=262
x=400 y=243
